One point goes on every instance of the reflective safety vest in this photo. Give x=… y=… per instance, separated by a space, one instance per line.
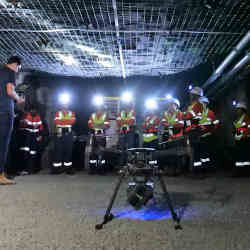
x=64 y=120
x=65 y=117
x=173 y=124
x=125 y=118
x=151 y=129
x=194 y=112
x=99 y=120
x=171 y=119
x=205 y=121
x=238 y=125
x=148 y=137
x=31 y=123
x=204 y=118
x=150 y=122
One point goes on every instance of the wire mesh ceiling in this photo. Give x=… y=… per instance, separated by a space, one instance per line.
x=95 y=38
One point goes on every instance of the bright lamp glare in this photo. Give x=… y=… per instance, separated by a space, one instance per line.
x=68 y=59
x=169 y=97
x=190 y=87
x=64 y=98
x=151 y=104
x=127 y=97
x=234 y=103
x=106 y=64
x=98 y=100
x=86 y=48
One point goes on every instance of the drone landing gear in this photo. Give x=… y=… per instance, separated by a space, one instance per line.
x=176 y=219
x=109 y=216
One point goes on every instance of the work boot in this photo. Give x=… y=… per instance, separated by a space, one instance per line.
x=5 y=181
x=24 y=172
x=56 y=171
x=70 y=171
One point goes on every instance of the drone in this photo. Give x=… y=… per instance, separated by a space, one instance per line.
x=142 y=169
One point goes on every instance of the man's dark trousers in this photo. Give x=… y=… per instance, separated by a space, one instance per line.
x=6 y=126
x=126 y=142
x=63 y=150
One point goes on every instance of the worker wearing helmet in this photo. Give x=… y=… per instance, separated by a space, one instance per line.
x=208 y=125
x=126 y=120
x=98 y=123
x=31 y=128
x=172 y=120
x=64 y=120
x=173 y=125
x=242 y=137
x=192 y=117
x=150 y=126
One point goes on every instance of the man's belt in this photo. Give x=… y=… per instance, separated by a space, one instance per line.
x=192 y=122
x=31 y=130
x=171 y=131
x=151 y=130
x=98 y=131
x=125 y=130
x=64 y=129
x=147 y=135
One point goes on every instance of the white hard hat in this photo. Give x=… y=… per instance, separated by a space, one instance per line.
x=176 y=101
x=197 y=91
x=241 y=105
x=204 y=99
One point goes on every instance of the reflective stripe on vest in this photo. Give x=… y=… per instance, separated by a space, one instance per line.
x=150 y=121
x=206 y=134
x=99 y=120
x=65 y=117
x=148 y=137
x=238 y=124
x=204 y=118
x=128 y=116
x=170 y=119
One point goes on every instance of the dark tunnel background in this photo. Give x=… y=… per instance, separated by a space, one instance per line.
x=82 y=91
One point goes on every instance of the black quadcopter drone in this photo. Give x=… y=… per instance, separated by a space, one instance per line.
x=141 y=171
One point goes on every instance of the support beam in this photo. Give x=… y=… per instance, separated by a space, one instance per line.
x=118 y=38
x=123 y=31
x=228 y=60
x=216 y=90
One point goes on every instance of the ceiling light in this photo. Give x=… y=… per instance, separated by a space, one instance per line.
x=151 y=104
x=64 y=98
x=127 y=97
x=68 y=59
x=92 y=51
x=4 y=3
x=98 y=100
x=103 y=56
x=169 y=97
x=106 y=64
x=210 y=4
x=86 y=48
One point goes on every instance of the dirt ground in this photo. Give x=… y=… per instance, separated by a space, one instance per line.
x=44 y=212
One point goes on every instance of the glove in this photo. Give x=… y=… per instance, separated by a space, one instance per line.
x=241 y=131
x=39 y=138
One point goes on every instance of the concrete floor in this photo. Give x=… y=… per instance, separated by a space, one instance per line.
x=44 y=212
